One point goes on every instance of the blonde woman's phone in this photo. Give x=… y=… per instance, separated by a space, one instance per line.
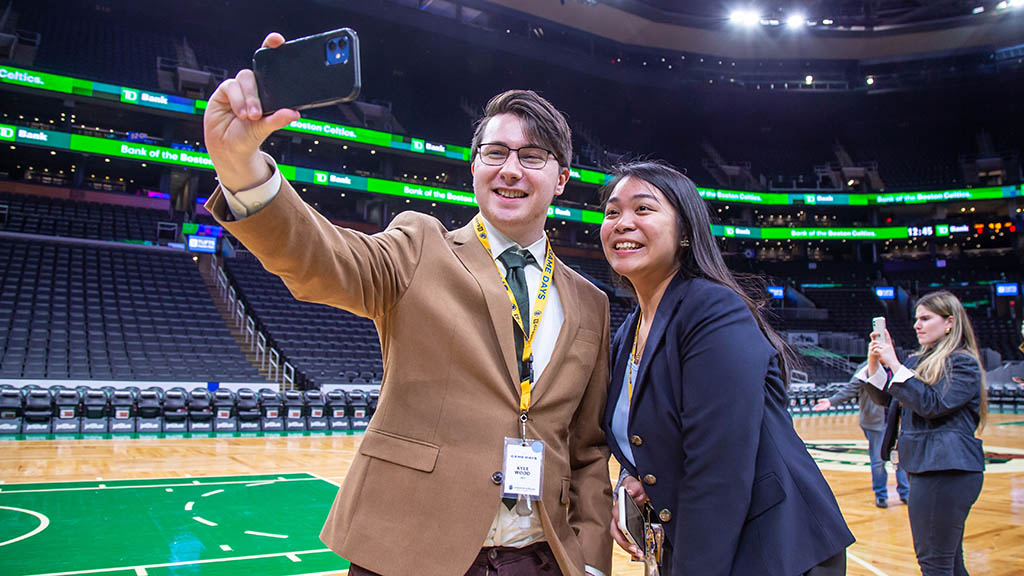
x=878 y=326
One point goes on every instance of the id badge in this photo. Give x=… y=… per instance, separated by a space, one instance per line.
x=523 y=468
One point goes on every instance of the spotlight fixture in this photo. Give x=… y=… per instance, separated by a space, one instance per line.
x=796 y=20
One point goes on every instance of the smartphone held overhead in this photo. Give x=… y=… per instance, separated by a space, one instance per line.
x=309 y=72
x=878 y=326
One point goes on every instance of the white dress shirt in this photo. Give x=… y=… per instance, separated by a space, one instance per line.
x=506 y=529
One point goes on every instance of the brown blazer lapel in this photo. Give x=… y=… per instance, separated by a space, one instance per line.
x=568 y=295
x=481 y=265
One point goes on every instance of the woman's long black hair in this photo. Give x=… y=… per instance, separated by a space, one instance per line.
x=702 y=258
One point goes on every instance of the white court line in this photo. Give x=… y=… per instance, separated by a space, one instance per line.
x=169 y=489
x=188 y=507
x=148 y=486
x=293 y=557
x=869 y=567
x=202 y=520
x=102 y=486
x=260 y=483
x=318 y=477
x=213 y=492
x=187 y=563
x=225 y=547
x=331 y=573
x=196 y=482
x=252 y=533
x=140 y=571
x=43 y=523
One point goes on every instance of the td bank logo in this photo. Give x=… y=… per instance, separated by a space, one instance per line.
x=320 y=177
x=6 y=133
x=810 y=199
x=730 y=231
x=129 y=95
x=418 y=145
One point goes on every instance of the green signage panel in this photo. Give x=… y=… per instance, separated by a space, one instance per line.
x=148 y=153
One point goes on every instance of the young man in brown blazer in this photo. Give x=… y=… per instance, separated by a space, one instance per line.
x=424 y=494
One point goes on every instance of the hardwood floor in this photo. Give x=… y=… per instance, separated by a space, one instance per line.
x=994 y=544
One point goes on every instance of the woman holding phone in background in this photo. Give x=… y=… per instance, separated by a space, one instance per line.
x=941 y=390
x=697 y=410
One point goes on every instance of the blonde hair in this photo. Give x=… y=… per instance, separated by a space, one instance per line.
x=934 y=359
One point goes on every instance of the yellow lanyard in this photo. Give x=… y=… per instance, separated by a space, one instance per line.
x=538 y=307
x=632 y=356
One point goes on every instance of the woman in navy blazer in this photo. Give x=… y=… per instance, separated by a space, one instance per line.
x=942 y=393
x=697 y=412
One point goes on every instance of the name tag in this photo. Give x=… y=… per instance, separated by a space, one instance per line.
x=523 y=468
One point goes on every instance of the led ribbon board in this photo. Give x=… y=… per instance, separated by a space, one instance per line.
x=147 y=153
x=171 y=103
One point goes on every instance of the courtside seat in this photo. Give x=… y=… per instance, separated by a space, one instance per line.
x=226 y=418
x=247 y=407
x=200 y=410
x=150 y=410
x=122 y=411
x=371 y=400
x=295 y=410
x=38 y=412
x=358 y=403
x=337 y=410
x=67 y=411
x=175 y=410
x=271 y=410
x=95 y=412
x=10 y=410
x=317 y=417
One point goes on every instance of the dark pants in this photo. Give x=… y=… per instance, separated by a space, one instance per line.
x=533 y=560
x=834 y=566
x=938 y=508
x=879 y=477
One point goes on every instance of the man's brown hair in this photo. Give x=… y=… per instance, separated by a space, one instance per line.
x=543 y=124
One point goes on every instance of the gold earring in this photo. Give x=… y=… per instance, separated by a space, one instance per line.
x=684 y=243
x=947 y=331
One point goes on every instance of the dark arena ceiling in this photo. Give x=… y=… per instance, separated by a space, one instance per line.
x=871 y=15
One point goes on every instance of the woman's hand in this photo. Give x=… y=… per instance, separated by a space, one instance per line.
x=636 y=491
x=874 y=355
x=822 y=405
x=881 y=349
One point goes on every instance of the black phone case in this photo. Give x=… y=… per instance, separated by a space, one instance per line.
x=295 y=75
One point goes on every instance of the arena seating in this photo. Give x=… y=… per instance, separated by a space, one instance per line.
x=84 y=312
x=78 y=219
x=327 y=344
x=60 y=410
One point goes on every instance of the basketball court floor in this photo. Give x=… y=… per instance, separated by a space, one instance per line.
x=230 y=504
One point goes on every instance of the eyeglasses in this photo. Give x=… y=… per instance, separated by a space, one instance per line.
x=532 y=157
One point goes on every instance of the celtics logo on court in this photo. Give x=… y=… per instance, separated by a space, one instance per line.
x=852 y=456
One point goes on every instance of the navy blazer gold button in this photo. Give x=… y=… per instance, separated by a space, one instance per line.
x=497 y=477
x=636 y=440
x=650 y=479
x=664 y=515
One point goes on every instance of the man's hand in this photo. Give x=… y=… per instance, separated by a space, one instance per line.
x=822 y=405
x=636 y=491
x=234 y=128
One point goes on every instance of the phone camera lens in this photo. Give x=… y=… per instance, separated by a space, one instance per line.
x=332 y=45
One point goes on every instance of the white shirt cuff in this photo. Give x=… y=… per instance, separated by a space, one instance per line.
x=245 y=203
x=592 y=571
x=902 y=375
x=877 y=379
